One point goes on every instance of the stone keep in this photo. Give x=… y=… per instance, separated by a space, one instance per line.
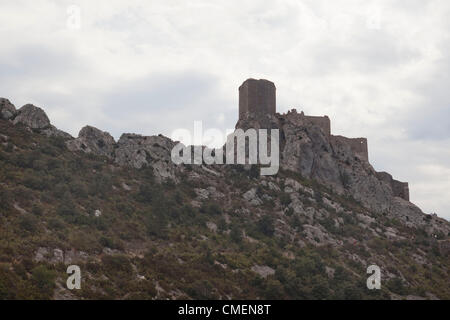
x=257 y=98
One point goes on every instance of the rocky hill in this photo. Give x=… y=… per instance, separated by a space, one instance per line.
x=141 y=227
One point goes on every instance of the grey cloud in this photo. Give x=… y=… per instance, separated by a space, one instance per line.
x=367 y=52
x=164 y=102
x=40 y=61
x=430 y=119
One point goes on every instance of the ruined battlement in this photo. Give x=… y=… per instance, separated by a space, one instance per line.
x=399 y=189
x=257 y=98
x=358 y=145
x=322 y=122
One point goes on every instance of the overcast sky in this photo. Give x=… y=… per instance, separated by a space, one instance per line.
x=379 y=69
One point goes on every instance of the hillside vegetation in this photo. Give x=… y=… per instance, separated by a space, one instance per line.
x=221 y=232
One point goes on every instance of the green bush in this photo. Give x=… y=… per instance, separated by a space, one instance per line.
x=44 y=279
x=211 y=208
x=266 y=225
x=201 y=290
x=236 y=234
x=28 y=223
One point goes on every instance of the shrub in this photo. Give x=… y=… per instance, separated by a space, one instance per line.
x=78 y=189
x=147 y=193
x=28 y=223
x=266 y=225
x=211 y=208
x=285 y=199
x=396 y=286
x=44 y=279
x=201 y=290
x=5 y=197
x=236 y=234
x=37 y=209
x=274 y=290
x=56 y=224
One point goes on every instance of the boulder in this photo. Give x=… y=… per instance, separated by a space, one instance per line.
x=93 y=140
x=52 y=131
x=263 y=271
x=252 y=197
x=139 y=151
x=32 y=117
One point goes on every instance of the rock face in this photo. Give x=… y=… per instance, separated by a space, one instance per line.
x=7 y=109
x=139 y=151
x=252 y=197
x=308 y=147
x=93 y=140
x=263 y=271
x=132 y=150
x=32 y=117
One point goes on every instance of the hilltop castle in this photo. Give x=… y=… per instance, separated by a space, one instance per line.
x=257 y=108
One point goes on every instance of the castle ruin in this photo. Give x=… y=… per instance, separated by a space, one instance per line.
x=257 y=97
x=257 y=100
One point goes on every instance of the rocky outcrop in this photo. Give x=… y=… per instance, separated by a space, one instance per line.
x=263 y=271
x=36 y=119
x=32 y=117
x=307 y=147
x=140 y=151
x=93 y=140
x=7 y=109
x=252 y=197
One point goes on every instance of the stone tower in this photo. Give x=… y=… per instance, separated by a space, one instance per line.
x=257 y=97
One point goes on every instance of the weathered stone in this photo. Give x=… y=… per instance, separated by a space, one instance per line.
x=252 y=197
x=93 y=140
x=32 y=117
x=202 y=194
x=211 y=226
x=256 y=97
x=126 y=187
x=41 y=254
x=74 y=256
x=7 y=109
x=58 y=256
x=140 y=151
x=263 y=271
x=330 y=272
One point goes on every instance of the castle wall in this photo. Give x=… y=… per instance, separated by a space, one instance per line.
x=357 y=145
x=399 y=189
x=257 y=97
x=323 y=122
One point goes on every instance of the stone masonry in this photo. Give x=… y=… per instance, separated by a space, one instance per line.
x=257 y=97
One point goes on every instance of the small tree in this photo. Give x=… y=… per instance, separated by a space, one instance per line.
x=266 y=225
x=236 y=234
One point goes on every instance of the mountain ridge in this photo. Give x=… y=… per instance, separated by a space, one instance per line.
x=327 y=201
